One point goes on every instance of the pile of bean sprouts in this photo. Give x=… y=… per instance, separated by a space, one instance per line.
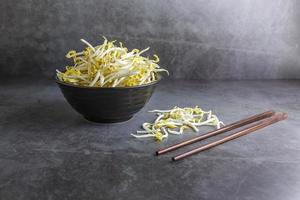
x=110 y=65
x=176 y=120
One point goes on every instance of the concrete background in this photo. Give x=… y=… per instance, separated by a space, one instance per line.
x=196 y=39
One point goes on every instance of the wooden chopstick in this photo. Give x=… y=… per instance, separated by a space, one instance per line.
x=271 y=120
x=229 y=127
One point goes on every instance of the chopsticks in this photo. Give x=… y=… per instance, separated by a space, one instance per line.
x=269 y=117
x=257 y=126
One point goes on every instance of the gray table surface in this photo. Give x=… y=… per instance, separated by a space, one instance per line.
x=48 y=151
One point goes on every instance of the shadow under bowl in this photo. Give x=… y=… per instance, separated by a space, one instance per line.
x=107 y=105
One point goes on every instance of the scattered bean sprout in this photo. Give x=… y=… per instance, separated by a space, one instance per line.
x=176 y=120
x=110 y=65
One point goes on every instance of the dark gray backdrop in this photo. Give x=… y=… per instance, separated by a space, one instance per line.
x=195 y=39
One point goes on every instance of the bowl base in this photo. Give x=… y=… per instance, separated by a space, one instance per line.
x=101 y=120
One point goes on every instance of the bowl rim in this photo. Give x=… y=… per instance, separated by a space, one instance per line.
x=159 y=78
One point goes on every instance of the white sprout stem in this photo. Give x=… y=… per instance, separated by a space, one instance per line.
x=159 y=111
x=142 y=136
x=92 y=60
x=203 y=123
x=99 y=49
x=209 y=114
x=119 y=81
x=83 y=60
x=121 y=62
x=166 y=134
x=143 y=51
x=114 y=83
x=81 y=66
x=145 y=126
x=101 y=80
x=181 y=129
x=158 y=118
x=192 y=126
x=153 y=76
x=144 y=79
x=109 y=50
x=164 y=130
x=174 y=123
x=79 y=53
x=174 y=132
x=119 y=75
x=126 y=56
x=162 y=70
x=126 y=66
x=95 y=79
x=88 y=44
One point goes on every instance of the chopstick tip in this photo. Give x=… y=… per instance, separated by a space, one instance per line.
x=284 y=115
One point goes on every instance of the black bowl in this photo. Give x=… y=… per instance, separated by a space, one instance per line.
x=107 y=105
